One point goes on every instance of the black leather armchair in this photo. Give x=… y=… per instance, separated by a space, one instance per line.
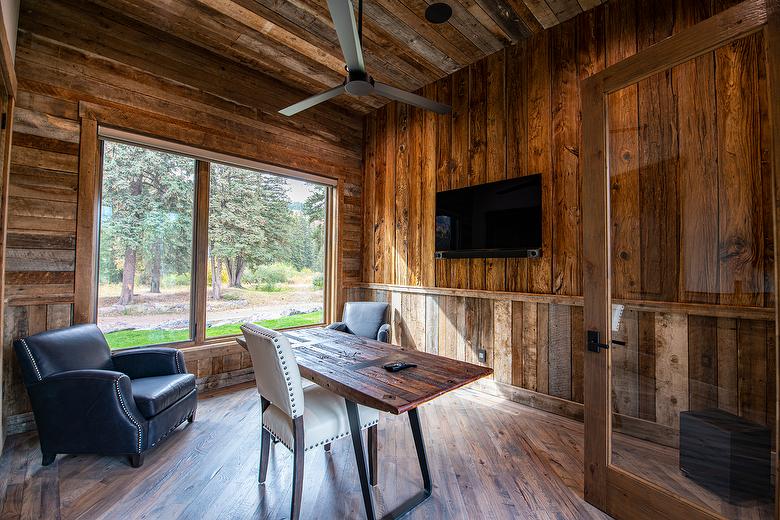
x=86 y=400
x=365 y=319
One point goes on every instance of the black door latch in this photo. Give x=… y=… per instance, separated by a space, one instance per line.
x=594 y=342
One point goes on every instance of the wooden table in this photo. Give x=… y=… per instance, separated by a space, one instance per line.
x=351 y=366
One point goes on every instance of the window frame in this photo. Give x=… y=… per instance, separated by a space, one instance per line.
x=86 y=297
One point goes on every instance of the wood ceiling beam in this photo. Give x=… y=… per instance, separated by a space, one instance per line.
x=565 y=9
x=390 y=67
x=214 y=32
x=513 y=16
x=265 y=27
x=542 y=13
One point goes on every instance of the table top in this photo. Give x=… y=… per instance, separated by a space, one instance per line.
x=351 y=366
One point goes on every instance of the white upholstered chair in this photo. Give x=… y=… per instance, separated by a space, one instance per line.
x=301 y=417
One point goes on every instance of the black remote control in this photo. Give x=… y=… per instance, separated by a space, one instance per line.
x=397 y=365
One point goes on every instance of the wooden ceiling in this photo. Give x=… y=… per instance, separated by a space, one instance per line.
x=294 y=40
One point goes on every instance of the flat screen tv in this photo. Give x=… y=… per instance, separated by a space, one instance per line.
x=499 y=219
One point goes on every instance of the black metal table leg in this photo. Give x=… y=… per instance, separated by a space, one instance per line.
x=360 y=456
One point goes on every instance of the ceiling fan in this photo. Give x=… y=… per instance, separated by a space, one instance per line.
x=358 y=82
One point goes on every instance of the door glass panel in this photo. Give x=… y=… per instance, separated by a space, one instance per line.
x=693 y=293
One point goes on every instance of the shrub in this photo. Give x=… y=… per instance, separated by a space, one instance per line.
x=274 y=273
x=176 y=279
x=269 y=287
x=318 y=281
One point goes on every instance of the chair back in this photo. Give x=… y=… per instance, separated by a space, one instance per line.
x=73 y=348
x=276 y=371
x=364 y=318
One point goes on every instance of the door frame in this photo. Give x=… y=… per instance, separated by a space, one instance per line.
x=613 y=490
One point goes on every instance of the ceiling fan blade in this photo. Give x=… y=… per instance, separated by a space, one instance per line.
x=311 y=101
x=413 y=99
x=343 y=14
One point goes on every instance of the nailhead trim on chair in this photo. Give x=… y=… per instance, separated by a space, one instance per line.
x=32 y=359
x=321 y=443
x=275 y=340
x=163 y=436
x=127 y=413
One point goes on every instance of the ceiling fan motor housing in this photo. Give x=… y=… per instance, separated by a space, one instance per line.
x=359 y=83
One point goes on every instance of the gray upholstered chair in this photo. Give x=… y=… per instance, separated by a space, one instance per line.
x=301 y=417
x=365 y=319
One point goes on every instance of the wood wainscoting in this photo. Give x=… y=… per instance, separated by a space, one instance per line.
x=74 y=52
x=536 y=345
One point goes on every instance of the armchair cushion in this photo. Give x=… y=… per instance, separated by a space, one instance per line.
x=153 y=395
x=149 y=362
x=324 y=418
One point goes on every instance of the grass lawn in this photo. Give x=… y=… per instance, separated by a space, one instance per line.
x=141 y=337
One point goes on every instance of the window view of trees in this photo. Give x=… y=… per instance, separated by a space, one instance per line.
x=266 y=248
x=146 y=236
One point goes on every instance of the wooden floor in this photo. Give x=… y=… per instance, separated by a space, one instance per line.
x=489 y=459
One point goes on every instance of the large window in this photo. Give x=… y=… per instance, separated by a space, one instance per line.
x=262 y=238
x=266 y=251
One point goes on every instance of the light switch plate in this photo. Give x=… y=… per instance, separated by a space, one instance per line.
x=482 y=355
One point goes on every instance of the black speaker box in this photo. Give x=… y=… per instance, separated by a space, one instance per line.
x=726 y=454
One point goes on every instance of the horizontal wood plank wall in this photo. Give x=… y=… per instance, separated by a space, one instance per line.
x=71 y=52
x=695 y=361
x=691 y=215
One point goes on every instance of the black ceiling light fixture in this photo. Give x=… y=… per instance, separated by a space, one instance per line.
x=438 y=12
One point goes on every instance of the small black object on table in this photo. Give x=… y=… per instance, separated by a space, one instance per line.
x=726 y=454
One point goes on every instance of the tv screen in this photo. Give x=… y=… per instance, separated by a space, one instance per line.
x=498 y=219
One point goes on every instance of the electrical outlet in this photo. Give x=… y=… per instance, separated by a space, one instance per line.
x=482 y=355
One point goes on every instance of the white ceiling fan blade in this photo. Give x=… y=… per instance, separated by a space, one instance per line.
x=342 y=13
x=412 y=99
x=311 y=101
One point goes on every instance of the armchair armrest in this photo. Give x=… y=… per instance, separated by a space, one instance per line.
x=383 y=334
x=149 y=362
x=88 y=411
x=339 y=326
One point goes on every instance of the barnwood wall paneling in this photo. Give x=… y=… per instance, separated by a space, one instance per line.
x=74 y=52
x=691 y=215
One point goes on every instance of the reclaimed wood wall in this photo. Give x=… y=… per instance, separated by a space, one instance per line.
x=691 y=215
x=672 y=361
x=74 y=52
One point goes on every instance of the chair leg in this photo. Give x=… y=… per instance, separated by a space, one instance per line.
x=327 y=447
x=265 y=443
x=48 y=458
x=137 y=460
x=298 y=458
x=265 y=448
x=372 y=455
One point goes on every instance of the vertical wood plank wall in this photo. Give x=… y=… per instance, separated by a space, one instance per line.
x=691 y=214
x=72 y=51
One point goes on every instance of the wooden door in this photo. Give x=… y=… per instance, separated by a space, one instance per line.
x=681 y=154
